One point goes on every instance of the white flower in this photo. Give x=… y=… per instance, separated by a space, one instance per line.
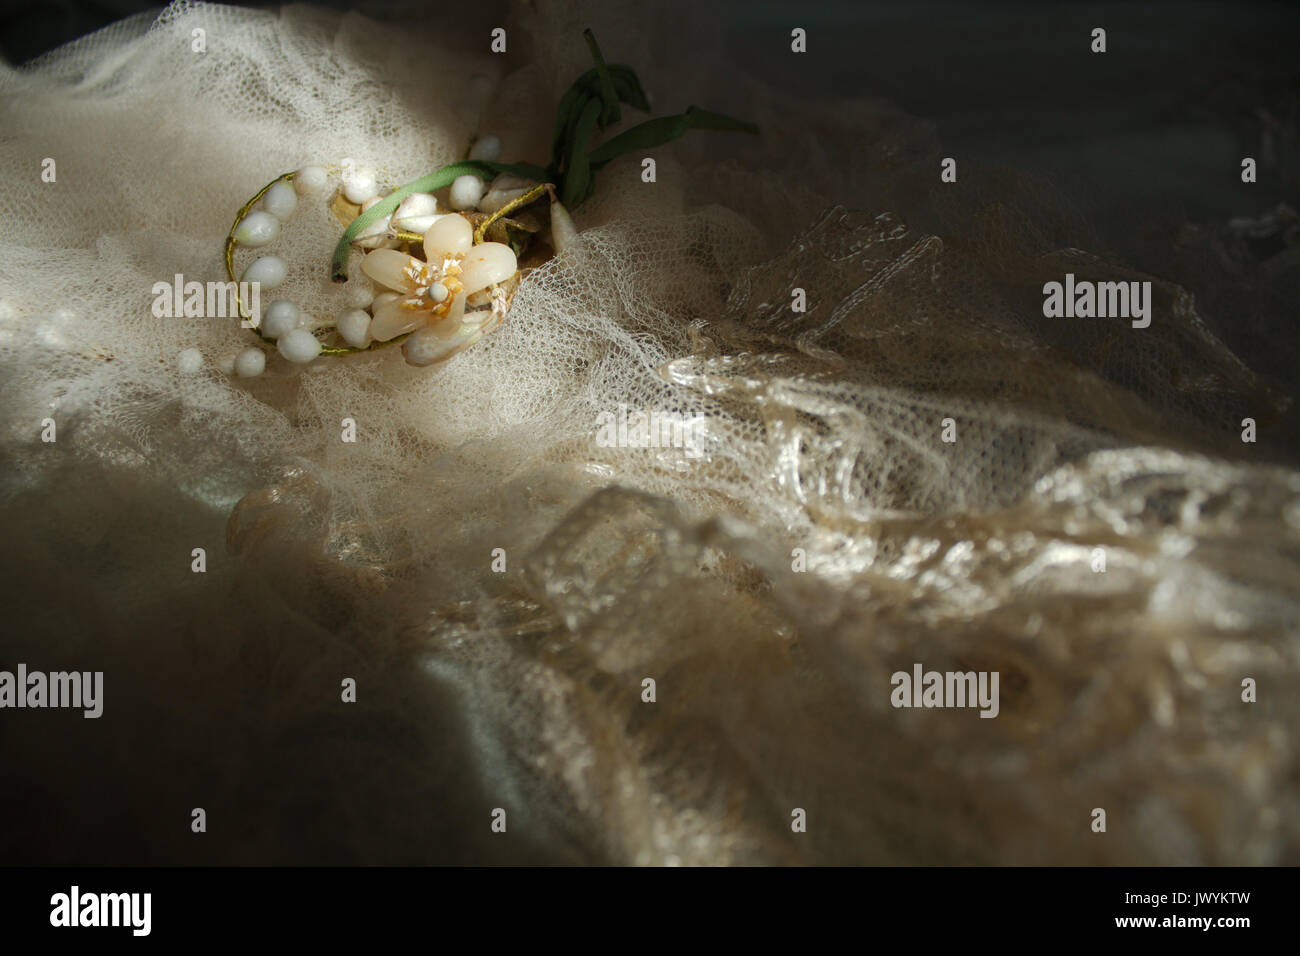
x=433 y=293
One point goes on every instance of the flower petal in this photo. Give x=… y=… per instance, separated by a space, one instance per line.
x=391 y=268
x=486 y=263
x=457 y=309
x=450 y=234
x=396 y=318
x=445 y=328
x=426 y=347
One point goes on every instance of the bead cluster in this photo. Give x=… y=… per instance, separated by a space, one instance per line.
x=282 y=320
x=422 y=299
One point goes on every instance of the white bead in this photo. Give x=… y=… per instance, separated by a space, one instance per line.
x=375 y=236
x=438 y=292
x=466 y=191
x=419 y=224
x=354 y=326
x=299 y=346
x=267 y=271
x=417 y=213
x=257 y=229
x=189 y=361
x=281 y=318
x=361 y=292
x=486 y=147
x=250 y=362
x=309 y=179
x=505 y=187
x=361 y=186
x=280 y=201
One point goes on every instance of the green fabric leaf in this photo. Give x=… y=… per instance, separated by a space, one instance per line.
x=566 y=114
x=628 y=87
x=577 y=177
x=609 y=114
x=665 y=129
x=571 y=131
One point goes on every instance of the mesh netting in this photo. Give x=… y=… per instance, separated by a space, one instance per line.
x=818 y=431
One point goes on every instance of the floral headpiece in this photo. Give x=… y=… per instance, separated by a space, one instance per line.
x=449 y=267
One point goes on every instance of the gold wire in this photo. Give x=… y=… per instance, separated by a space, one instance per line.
x=516 y=203
x=230 y=249
x=511 y=206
